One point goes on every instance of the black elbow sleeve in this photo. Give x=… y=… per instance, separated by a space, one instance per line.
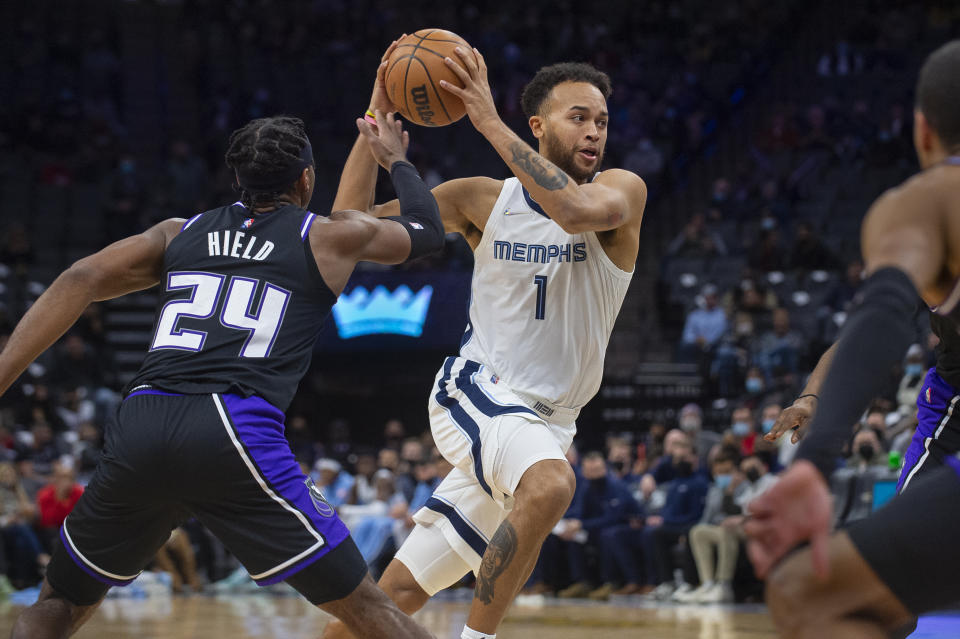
x=874 y=339
x=419 y=213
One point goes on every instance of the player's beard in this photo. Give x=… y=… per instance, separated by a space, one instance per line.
x=566 y=159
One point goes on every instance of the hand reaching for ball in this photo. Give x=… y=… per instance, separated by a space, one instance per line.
x=388 y=141
x=475 y=94
x=380 y=101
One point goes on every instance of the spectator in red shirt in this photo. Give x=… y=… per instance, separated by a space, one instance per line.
x=56 y=500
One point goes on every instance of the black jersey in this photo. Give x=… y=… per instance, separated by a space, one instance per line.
x=948 y=352
x=241 y=305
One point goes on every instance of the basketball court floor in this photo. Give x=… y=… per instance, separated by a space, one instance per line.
x=290 y=617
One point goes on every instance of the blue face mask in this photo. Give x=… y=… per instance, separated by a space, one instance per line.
x=754 y=384
x=723 y=481
x=741 y=429
x=768 y=425
x=913 y=370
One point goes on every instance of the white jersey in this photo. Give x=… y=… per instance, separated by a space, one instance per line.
x=543 y=303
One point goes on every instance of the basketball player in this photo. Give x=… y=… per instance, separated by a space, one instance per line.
x=554 y=250
x=245 y=290
x=872 y=579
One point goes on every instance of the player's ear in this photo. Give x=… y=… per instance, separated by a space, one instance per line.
x=536 y=126
x=305 y=184
x=923 y=135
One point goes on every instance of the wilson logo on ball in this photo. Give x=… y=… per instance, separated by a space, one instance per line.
x=421 y=101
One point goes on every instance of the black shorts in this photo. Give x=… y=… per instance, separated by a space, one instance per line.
x=911 y=543
x=222 y=459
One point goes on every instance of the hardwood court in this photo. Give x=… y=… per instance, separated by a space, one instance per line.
x=290 y=617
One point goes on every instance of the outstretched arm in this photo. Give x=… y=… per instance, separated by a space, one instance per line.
x=129 y=265
x=904 y=254
x=610 y=202
x=797 y=416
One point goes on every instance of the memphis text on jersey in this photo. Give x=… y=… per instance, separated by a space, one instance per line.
x=539 y=253
x=242 y=245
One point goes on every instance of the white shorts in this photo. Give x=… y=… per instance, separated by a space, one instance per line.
x=491 y=436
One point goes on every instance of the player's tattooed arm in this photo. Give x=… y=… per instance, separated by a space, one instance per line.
x=544 y=172
x=499 y=554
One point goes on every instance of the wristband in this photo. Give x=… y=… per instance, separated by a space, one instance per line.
x=370 y=117
x=808 y=395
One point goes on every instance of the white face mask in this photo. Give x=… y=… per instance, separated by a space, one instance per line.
x=688 y=424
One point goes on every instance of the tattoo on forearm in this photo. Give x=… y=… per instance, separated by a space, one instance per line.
x=544 y=172
x=499 y=554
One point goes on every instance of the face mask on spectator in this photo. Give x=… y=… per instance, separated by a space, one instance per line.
x=752 y=474
x=866 y=451
x=617 y=465
x=723 y=481
x=740 y=429
x=768 y=425
x=754 y=384
x=690 y=423
x=913 y=370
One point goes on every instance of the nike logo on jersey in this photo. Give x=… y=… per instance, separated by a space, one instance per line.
x=509 y=212
x=242 y=246
x=539 y=253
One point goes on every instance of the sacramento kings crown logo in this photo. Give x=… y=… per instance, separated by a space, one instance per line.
x=398 y=313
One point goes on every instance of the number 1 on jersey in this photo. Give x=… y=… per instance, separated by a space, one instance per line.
x=541 y=283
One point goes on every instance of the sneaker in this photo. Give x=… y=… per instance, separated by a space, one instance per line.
x=681 y=593
x=602 y=593
x=692 y=596
x=630 y=589
x=663 y=592
x=238 y=580
x=575 y=591
x=718 y=593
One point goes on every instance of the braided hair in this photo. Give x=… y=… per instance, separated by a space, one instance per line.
x=266 y=147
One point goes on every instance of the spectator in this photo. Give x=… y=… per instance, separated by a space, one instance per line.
x=704 y=327
x=682 y=509
x=717 y=530
x=394 y=434
x=55 y=501
x=691 y=423
x=619 y=457
x=16 y=533
x=767 y=253
x=302 y=442
x=188 y=180
x=809 y=252
x=363 y=491
x=600 y=501
x=665 y=469
x=842 y=294
x=867 y=451
x=742 y=433
x=41 y=449
x=779 y=350
x=914 y=370
x=333 y=481
x=696 y=240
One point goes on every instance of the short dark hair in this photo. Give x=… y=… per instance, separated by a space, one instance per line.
x=266 y=146
x=537 y=90
x=938 y=92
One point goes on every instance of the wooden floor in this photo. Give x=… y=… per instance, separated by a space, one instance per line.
x=290 y=617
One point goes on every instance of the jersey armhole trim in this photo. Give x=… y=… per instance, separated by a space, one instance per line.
x=189 y=222
x=604 y=259
x=305 y=227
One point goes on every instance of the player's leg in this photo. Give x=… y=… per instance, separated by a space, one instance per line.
x=53 y=616
x=540 y=500
x=884 y=570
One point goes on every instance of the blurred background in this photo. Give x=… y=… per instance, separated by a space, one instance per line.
x=763 y=128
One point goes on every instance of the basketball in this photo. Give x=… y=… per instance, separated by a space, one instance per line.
x=414 y=72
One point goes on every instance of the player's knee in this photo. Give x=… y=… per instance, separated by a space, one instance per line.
x=400 y=585
x=547 y=485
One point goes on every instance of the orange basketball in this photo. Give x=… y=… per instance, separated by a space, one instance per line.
x=414 y=71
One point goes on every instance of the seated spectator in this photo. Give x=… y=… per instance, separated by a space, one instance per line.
x=620 y=458
x=665 y=469
x=842 y=294
x=371 y=524
x=703 y=328
x=691 y=423
x=682 y=509
x=809 y=253
x=55 y=501
x=766 y=255
x=40 y=448
x=717 y=531
x=742 y=434
x=363 y=491
x=16 y=533
x=867 y=451
x=87 y=451
x=600 y=501
x=778 y=351
x=332 y=480
x=696 y=240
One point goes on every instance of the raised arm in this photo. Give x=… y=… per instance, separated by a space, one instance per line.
x=129 y=265
x=613 y=200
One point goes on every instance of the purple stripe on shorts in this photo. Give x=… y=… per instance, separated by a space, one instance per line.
x=152 y=391
x=259 y=427
x=932 y=405
x=87 y=569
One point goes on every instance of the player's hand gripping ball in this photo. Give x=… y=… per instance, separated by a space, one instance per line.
x=413 y=76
